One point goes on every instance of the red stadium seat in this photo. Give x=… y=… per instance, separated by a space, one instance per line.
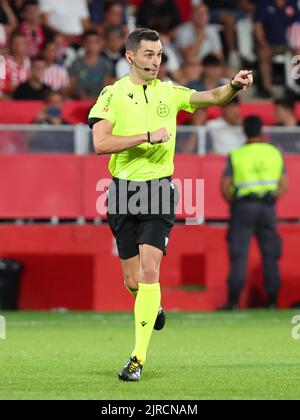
x=75 y=112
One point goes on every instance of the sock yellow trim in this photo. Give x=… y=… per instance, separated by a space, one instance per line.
x=149 y=287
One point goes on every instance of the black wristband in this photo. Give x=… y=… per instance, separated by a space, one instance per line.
x=236 y=88
x=149 y=137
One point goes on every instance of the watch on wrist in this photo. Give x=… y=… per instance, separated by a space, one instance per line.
x=149 y=137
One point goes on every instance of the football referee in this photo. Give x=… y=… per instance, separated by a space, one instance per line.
x=134 y=120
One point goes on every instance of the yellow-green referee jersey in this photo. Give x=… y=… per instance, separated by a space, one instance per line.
x=136 y=109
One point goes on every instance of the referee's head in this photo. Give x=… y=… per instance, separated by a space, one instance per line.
x=144 y=53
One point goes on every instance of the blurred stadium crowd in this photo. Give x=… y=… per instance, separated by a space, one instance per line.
x=55 y=50
x=77 y=46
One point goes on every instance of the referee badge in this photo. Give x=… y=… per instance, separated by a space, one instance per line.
x=163 y=110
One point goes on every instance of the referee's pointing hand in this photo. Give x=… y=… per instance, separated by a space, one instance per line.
x=244 y=79
x=160 y=136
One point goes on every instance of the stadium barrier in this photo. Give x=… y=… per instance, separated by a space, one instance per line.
x=64 y=186
x=192 y=140
x=73 y=266
x=77 y=268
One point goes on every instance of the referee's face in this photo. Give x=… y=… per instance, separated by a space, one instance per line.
x=148 y=56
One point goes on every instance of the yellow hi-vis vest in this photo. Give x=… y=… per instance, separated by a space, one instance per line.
x=257 y=169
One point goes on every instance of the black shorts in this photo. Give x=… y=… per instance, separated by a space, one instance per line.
x=141 y=213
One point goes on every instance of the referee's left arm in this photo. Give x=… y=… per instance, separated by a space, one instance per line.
x=222 y=95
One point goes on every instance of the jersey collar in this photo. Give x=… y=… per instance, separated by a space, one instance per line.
x=136 y=87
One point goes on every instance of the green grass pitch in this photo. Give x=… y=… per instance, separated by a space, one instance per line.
x=241 y=355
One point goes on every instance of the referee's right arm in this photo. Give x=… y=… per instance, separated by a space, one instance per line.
x=106 y=143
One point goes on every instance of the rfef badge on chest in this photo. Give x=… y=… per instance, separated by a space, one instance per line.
x=163 y=110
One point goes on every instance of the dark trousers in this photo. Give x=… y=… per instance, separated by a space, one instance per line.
x=250 y=218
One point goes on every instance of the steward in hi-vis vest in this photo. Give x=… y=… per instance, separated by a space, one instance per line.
x=254 y=178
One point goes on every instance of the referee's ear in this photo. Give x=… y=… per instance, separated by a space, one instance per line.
x=129 y=57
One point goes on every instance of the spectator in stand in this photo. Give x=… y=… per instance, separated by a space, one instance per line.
x=174 y=65
x=226 y=13
x=184 y=7
x=96 y=10
x=17 y=64
x=32 y=28
x=272 y=19
x=3 y=37
x=288 y=141
x=122 y=68
x=293 y=37
x=225 y=132
x=192 y=71
x=212 y=71
x=92 y=72
x=187 y=143
x=160 y=15
x=163 y=73
x=52 y=113
x=114 y=15
x=67 y=17
x=67 y=53
x=8 y=23
x=52 y=141
x=285 y=113
x=196 y=38
x=34 y=88
x=17 y=6
x=56 y=75
x=293 y=72
x=114 y=48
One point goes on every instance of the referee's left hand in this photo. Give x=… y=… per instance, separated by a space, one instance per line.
x=244 y=79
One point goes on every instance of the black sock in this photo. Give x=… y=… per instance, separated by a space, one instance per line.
x=273 y=299
x=233 y=298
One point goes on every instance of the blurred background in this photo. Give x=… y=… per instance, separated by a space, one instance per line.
x=56 y=251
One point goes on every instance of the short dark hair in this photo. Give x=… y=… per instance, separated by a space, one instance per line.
x=110 y=4
x=285 y=103
x=28 y=3
x=118 y=30
x=50 y=93
x=37 y=58
x=89 y=33
x=253 y=126
x=211 y=60
x=141 y=34
x=47 y=43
